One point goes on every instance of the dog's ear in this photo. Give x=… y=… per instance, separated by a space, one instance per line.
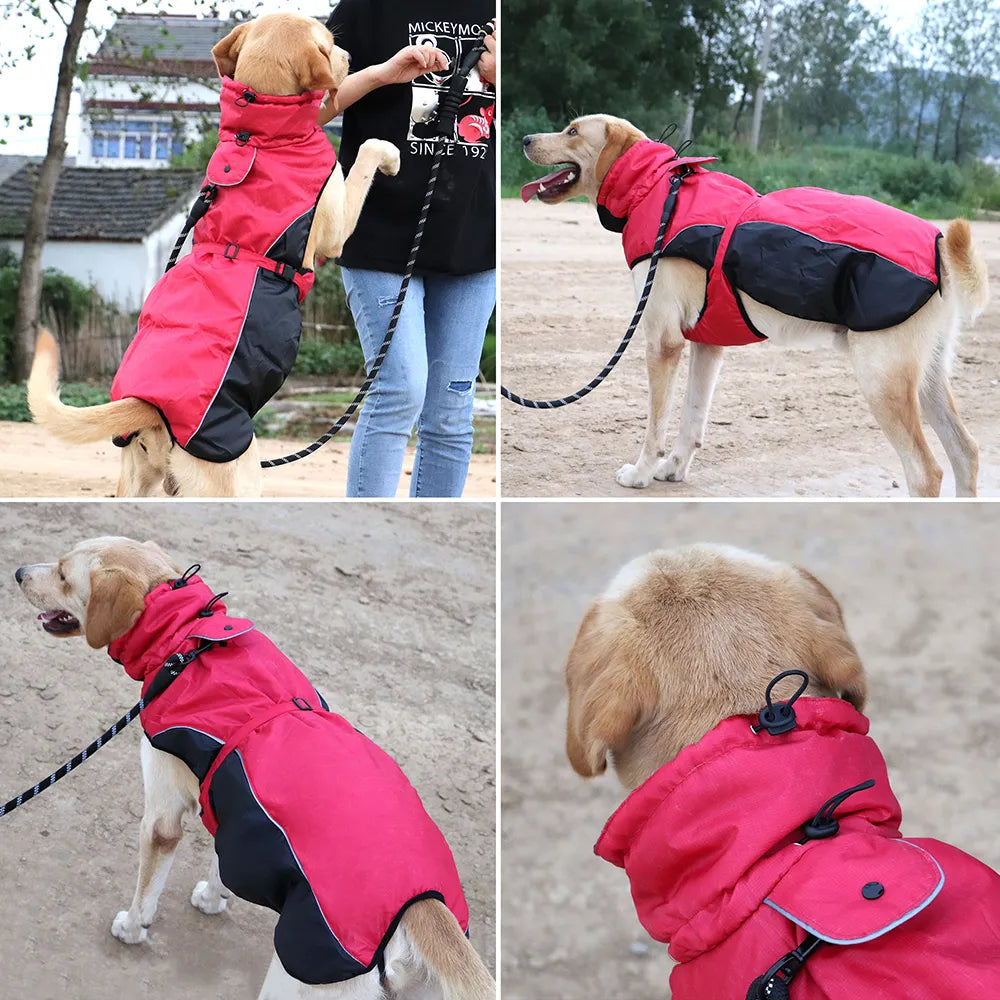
x=117 y=598
x=609 y=692
x=315 y=71
x=227 y=51
x=619 y=137
x=834 y=660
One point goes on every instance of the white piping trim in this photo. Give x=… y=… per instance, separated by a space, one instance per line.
x=215 y=638
x=194 y=729
x=813 y=236
x=253 y=159
x=298 y=863
x=229 y=364
x=884 y=930
x=289 y=226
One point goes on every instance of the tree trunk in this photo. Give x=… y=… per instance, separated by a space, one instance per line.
x=960 y=118
x=765 y=58
x=29 y=291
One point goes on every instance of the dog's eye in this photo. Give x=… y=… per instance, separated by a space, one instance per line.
x=572 y=131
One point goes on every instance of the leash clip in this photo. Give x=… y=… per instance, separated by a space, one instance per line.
x=773 y=985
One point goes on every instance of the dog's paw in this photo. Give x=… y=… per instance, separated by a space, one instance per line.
x=127 y=930
x=207 y=899
x=386 y=154
x=628 y=475
x=672 y=470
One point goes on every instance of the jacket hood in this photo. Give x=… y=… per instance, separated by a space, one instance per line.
x=703 y=839
x=633 y=175
x=171 y=623
x=270 y=119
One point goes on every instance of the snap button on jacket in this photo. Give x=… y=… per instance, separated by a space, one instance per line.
x=219 y=332
x=310 y=817
x=710 y=847
x=832 y=258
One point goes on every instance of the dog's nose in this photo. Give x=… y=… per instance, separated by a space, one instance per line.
x=527 y=140
x=19 y=574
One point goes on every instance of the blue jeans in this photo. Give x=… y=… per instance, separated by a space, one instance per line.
x=428 y=379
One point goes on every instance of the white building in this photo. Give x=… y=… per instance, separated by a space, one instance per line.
x=151 y=87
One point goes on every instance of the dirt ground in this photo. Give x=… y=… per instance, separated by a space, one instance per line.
x=917 y=585
x=390 y=612
x=34 y=464
x=783 y=423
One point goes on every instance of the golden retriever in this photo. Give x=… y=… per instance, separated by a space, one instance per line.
x=749 y=843
x=97 y=590
x=279 y=54
x=902 y=371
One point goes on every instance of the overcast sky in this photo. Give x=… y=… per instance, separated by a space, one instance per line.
x=29 y=87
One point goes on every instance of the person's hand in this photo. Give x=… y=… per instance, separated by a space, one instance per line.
x=409 y=63
x=488 y=60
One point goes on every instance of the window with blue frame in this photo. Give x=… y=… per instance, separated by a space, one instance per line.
x=136 y=139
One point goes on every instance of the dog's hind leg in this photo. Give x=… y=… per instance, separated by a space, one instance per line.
x=703 y=373
x=279 y=985
x=889 y=373
x=939 y=405
x=170 y=791
x=194 y=477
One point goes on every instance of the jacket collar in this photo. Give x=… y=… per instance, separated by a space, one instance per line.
x=633 y=175
x=171 y=624
x=269 y=119
x=703 y=839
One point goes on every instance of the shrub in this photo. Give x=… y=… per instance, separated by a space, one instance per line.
x=14 y=403
x=319 y=357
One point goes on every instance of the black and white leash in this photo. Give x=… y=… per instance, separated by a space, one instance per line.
x=447 y=113
x=168 y=673
x=551 y=404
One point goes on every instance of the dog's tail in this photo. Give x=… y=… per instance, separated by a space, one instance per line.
x=79 y=424
x=437 y=938
x=966 y=268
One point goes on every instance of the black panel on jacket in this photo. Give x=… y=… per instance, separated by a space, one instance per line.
x=803 y=276
x=257 y=863
x=264 y=355
x=696 y=243
x=197 y=749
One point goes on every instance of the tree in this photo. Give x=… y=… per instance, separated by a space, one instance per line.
x=29 y=289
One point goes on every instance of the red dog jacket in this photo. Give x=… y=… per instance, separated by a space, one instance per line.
x=832 y=258
x=711 y=847
x=219 y=332
x=310 y=818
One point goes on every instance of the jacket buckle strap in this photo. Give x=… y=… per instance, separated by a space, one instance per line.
x=773 y=985
x=284 y=270
x=124 y=440
x=232 y=251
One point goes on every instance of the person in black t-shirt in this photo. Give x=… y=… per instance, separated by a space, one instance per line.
x=402 y=51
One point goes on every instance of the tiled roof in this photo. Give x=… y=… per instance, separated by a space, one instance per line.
x=161 y=38
x=100 y=203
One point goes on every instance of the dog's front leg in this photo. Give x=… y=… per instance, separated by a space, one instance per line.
x=170 y=791
x=343 y=198
x=210 y=894
x=703 y=373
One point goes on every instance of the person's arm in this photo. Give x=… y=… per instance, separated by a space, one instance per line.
x=404 y=67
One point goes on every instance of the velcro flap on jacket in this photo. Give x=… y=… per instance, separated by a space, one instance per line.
x=856 y=887
x=230 y=163
x=220 y=627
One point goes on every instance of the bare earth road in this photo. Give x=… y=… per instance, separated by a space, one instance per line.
x=784 y=422
x=34 y=464
x=917 y=585
x=390 y=612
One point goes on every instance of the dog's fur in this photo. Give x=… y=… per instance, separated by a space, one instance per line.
x=902 y=372
x=280 y=54
x=682 y=639
x=100 y=586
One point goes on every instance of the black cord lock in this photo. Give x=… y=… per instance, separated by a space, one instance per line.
x=183 y=580
x=209 y=609
x=823 y=825
x=779 y=717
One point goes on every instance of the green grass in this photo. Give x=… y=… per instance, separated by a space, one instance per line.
x=14 y=404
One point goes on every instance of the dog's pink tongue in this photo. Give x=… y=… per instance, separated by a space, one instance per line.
x=535 y=187
x=47 y=616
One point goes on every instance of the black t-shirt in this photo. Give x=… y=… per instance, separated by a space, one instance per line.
x=460 y=237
